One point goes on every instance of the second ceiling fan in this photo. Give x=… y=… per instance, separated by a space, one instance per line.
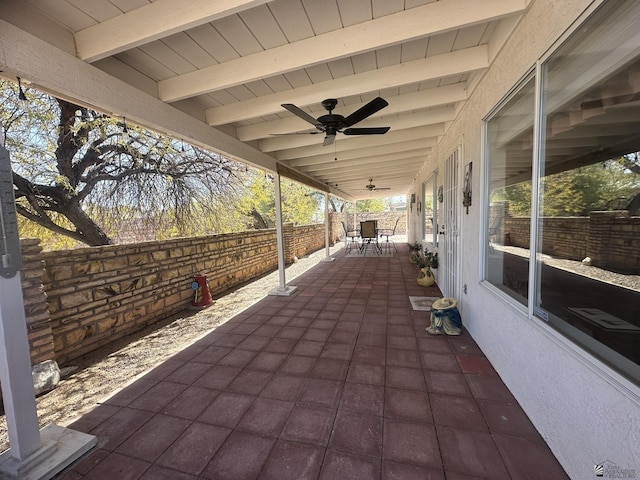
x=333 y=123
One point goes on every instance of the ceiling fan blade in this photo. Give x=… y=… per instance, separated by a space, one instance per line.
x=298 y=112
x=366 y=131
x=363 y=112
x=328 y=140
x=382 y=188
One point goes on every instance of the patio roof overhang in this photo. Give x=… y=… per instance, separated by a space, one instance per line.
x=216 y=73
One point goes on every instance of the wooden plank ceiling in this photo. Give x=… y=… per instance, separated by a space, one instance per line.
x=232 y=63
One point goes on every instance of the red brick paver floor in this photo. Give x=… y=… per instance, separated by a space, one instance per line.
x=337 y=381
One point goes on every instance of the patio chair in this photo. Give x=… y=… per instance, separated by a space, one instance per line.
x=369 y=235
x=350 y=238
x=387 y=232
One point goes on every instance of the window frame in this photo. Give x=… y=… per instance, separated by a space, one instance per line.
x=606 y=362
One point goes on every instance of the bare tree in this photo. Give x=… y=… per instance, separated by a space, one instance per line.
x=74 y=168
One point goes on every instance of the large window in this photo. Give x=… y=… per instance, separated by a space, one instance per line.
x=510 y=134
x=585 y=251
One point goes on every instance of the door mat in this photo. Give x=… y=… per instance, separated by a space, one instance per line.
x=422 y=303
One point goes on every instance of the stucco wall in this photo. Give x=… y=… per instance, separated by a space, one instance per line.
x=585 y=411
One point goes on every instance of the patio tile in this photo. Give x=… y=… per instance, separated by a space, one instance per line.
x=465 y=345
x=308 y=348
x=291 y=332
x=121 y=426
x=241 y=457
x=297 y=365
x=369 y=354
x=507 y=418
x=254 y=343
x=446 y=382
x=525 y=458
x=407 y=404
x=405 y=471
x=323 y=324
x=118 y=466
x=245 y=328
x=434 y=345
x=403 y=358
x=475 y=364
x=349 y=467
x=267 y=361
x=330 y=369
x=373 y=339
x=218 y=377
x=404 y=378
x=309 y=425
x=323 y=393
x=227 y=409
x=195 y=448
x=280 y=345
x=366 y=374
x=238 y=358
x=337 y=351
x=316 y=334
x=292 y=461
x=489 y=387
x=250 y=382
x=459 y=412
x=338 y=336
x=266 y=417
x=191 y=402
x=211 y=354
x=126 y=395
x=165 y=368
x=441 y=362
x=267 y=330
x=338 y=381
x=359 y=434
x=158 y=396
x=94 y=417
x=414 y=443
x=229 y=340
x=365 y=399
x=188 y=373
x=154 y=437
x=471 y=453
x=283 y=387
x=399 y=330
x=402 y=342
x=157 y=472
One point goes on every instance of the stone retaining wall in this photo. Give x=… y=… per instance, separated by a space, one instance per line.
x=96 y=295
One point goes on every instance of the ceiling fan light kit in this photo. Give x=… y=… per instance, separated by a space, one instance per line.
x=332 y=123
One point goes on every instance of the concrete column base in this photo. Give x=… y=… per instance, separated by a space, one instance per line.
x=60 y=448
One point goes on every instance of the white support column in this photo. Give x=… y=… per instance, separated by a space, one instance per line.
x=282 y=289
x=33 y=454
x=327 y=229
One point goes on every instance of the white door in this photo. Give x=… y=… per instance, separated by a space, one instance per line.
x=449 y=232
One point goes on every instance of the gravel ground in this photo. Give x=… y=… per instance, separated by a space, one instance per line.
x=107 y=370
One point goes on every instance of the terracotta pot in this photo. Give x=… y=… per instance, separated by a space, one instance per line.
x=425 y=277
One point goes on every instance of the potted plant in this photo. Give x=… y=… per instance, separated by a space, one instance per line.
x=425 y=262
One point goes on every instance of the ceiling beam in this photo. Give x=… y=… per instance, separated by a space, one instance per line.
x=335 y=165
x=343 y=144
x=152 y=22
x=437 y=66
x=62 y=75
x=432 y=97
x=406 y=25
x=382 y=149
x=426 y=119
